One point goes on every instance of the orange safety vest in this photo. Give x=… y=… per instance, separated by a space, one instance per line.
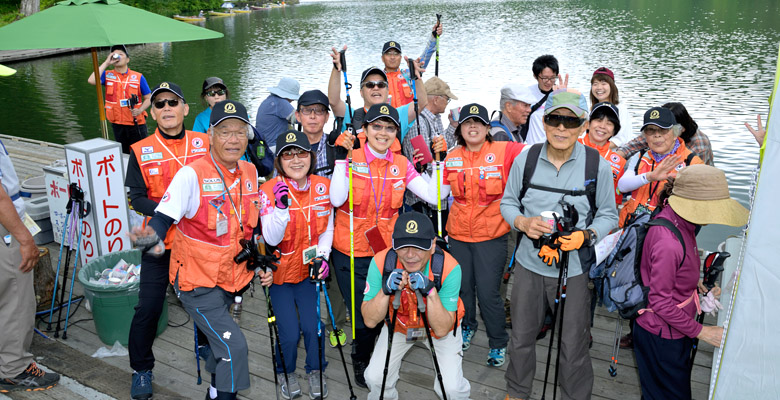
x=647 y=195
x=121 y=87
x=477 y=182
x=312 y=204
x=389 y=182
x=615 y=161
x=199 y=257
x=160 y=158
x=400 y=91
x=408 y=315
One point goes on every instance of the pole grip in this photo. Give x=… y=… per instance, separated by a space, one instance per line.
x=343 y=60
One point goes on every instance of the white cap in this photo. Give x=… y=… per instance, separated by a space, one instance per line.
x=518 y=92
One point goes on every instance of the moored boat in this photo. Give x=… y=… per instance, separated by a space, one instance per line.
x=220 y=14
x=192 y=18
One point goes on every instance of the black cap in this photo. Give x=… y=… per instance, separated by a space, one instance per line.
x=382 y=110
x=608 y=110
x=391 y=45
x=372 y=70
x=209 y=82
x=292 y=138
x=413 y=229
x=310 y=97
x=168 y=87
x=226 y=109
x=660 y=117
x=119 y=47
x=474 y=110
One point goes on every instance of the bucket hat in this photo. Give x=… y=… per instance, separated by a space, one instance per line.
x=287 y=88
x=701 y=195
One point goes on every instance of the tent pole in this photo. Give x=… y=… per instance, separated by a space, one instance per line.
x=99 y=88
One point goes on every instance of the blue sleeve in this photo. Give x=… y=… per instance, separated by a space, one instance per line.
x=202 y=121
x=374 y=282
x=430 y=48
x=283 y=109
x=103 y=78
x=403 y=115
x=346 y=122
x=144 y=86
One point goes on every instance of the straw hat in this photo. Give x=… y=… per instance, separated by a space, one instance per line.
x=701 y=195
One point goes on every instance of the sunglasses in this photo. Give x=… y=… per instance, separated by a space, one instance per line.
x=387 y=128
x=375 y=84
x=567 y=121
x=290 y=154
x=160 y=104
x=212 y=93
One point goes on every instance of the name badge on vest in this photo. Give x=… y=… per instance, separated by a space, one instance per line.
x=222 y=224
x=412 y=334
x=309 y=254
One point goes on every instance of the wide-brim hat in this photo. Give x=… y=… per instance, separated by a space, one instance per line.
x=287 y=88
x=701 y=196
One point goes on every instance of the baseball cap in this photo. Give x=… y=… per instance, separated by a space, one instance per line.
x=474 y=110
x=209 y=82
x=391 y=45
x=518 y=92
x=660 y=117
x=604 y=71
x=168 y=87
x=372 y=70
x=382 y=110
x=437 y=87
x=608 y=110
x=567 y=98
x=292 y=138
x=119 y=47
x=310 y=97
x=413 y=229
x=227 y=109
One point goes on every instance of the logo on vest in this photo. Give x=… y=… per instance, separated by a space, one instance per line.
x=197 y=143
x=147 y=149
x=290 y=137
x=165 y=197
x=680 y=166
x=230 y=108
x=411 y=227
x=384 y=110
x=394 y=170
x=490 y=157
x=615 y=158
x=133 y=77
x=655 y=114
x=474 y=110
x=249 y=185
x=165 y=85
x=320 y=188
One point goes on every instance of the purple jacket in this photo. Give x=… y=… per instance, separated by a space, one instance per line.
x=670 y=286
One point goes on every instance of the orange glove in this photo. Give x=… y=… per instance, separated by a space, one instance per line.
x=345 y=140
x=548 y=254
x=572 y=242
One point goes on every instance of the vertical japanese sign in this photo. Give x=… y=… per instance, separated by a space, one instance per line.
x=56 y=182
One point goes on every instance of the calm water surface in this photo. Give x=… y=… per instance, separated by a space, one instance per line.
x=716 y=57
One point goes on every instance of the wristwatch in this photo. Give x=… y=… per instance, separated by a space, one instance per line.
x=592 y=237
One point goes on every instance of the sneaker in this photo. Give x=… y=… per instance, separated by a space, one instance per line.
x=468 y=333
x=315 y=392
x=31 y=379
x=359 y=367
x=142 y=385
x=342 y=337
x=542 y=333
x=291 y=391
x=496 y=357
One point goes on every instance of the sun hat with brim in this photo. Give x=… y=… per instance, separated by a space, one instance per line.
x=701 y=196
x=413 y=229
x=571 y=99
x=287 y=88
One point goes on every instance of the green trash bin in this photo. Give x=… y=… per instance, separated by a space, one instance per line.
x=113 y=307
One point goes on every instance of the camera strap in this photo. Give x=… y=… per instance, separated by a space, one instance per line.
x=227 y=192
x=300 y=206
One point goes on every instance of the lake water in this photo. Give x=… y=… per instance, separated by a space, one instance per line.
x=716 y=57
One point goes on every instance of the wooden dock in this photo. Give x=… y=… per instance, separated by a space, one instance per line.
x=175 y=374
x=8 y=56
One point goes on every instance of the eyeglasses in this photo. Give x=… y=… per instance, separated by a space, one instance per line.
x=567 y=121
x=446 y=98
x=387 y=128
x=316 y=110
x=548 y=80
x=160 y=104
x=288 y=155
x=226 y=135
x=393 y=53
x=212 y=93
x=373 y=84
x=652 y=130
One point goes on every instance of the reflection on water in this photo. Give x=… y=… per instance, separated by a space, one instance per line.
x=716 y=57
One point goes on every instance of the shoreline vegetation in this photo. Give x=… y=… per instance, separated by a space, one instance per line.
x=10 y=10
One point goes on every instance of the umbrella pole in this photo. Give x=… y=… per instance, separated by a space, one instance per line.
x=99 y=88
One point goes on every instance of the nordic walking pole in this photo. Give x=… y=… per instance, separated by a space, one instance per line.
x=713 y=266
x=338 y=342
x=272 y=329
x=314 y=271
x=83 y=211
x=552 y=331
x=436 y=73
x=350 y=128
x=63 y=239
x=565 y=273
x=71 y=236
x=422 y=308
x=390 y=333
x=615 y=348
x=197 y=356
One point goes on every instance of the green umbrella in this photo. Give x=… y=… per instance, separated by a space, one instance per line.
x=96 y=23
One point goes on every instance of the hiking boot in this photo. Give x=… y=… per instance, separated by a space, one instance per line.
x=291 y=390
x=342 y=337
x=627 y=342
x=359 y=367
x=496 y=357
x=468 y=333
x=31 y=379
x=142 y=385
x=315 y=392
x=543 y=332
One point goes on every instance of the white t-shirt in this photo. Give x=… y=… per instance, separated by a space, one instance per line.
x=627 y=132
x=536 y=132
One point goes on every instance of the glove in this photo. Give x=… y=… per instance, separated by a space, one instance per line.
x=321 y=267
x=150 y=244
x=342 y=141
x=418 y=281
x=709 y=304
x=548 y=254
x=572 y=242
x=393 y=282
x=280 y=194
x=419 y=167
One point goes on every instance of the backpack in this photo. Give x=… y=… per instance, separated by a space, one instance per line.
x=622 y=288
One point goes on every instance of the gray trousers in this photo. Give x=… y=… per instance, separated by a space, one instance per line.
x=482 y=267
x=210 y=309
x=531 y=294
x=17 y=310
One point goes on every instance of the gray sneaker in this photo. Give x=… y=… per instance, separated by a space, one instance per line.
x=315 y=392
x=291 y=391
